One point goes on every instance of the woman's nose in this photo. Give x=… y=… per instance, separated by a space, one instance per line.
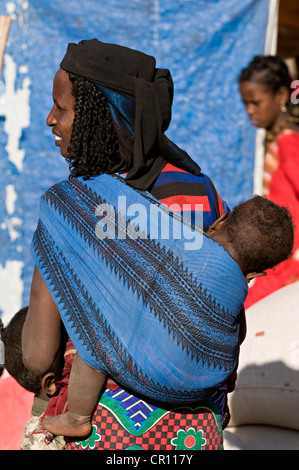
x=51 y=120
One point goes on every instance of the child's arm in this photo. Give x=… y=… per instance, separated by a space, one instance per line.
x=42 y=328
x=231 y=383
x=243 y=326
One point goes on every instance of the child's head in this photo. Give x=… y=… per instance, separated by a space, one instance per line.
x=11 y=336
x=258 y=234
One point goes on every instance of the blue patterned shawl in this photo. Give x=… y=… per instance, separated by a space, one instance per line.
x=157 y=315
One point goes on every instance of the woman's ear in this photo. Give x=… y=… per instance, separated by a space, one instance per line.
x=217 y=224
x=283 y=95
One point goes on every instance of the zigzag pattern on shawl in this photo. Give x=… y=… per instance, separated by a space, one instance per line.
x=46 y=252
x=74 y=299
x=82 y=219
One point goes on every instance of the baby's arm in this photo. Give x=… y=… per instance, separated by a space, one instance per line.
x=42 y=328
x=231 y=383
x=243 y=325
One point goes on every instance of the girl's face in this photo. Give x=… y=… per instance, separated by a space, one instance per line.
x=262 y=105
x=62 y=114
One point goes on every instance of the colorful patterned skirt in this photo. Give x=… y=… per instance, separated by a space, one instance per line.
x=125 y=422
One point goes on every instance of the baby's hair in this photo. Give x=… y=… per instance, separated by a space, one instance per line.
x=12 y=339
x=262 y=233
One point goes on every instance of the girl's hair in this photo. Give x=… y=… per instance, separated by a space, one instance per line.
x=94 y=147
x=270 y=71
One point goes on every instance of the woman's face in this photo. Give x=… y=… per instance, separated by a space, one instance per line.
x=262 y=105
x=62 y=114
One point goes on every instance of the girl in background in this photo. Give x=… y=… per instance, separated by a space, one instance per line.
x=265 y=87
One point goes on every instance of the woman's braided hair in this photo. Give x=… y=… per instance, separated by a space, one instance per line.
x=270 y=71
x=94 y=147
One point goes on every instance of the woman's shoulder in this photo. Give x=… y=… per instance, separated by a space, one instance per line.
x=66 y=185
x=289 y=134
x=171 y=173
x=55 y=187
x=174 y=185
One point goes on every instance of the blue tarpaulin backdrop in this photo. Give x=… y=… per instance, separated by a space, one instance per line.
x=204 y=43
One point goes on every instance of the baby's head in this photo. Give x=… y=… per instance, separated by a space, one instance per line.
x=11 y=336
x=258 y=234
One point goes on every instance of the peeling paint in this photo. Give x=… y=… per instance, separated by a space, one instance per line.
x=11 y=197
x=12 y=223
x=15 y=108
x=11 y=288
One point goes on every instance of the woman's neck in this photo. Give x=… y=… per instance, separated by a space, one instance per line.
x=283 y=121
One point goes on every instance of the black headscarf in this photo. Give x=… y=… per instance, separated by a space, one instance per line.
x=140 y=97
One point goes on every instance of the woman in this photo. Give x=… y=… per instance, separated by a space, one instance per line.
x=111 y=109
x=265 y=87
